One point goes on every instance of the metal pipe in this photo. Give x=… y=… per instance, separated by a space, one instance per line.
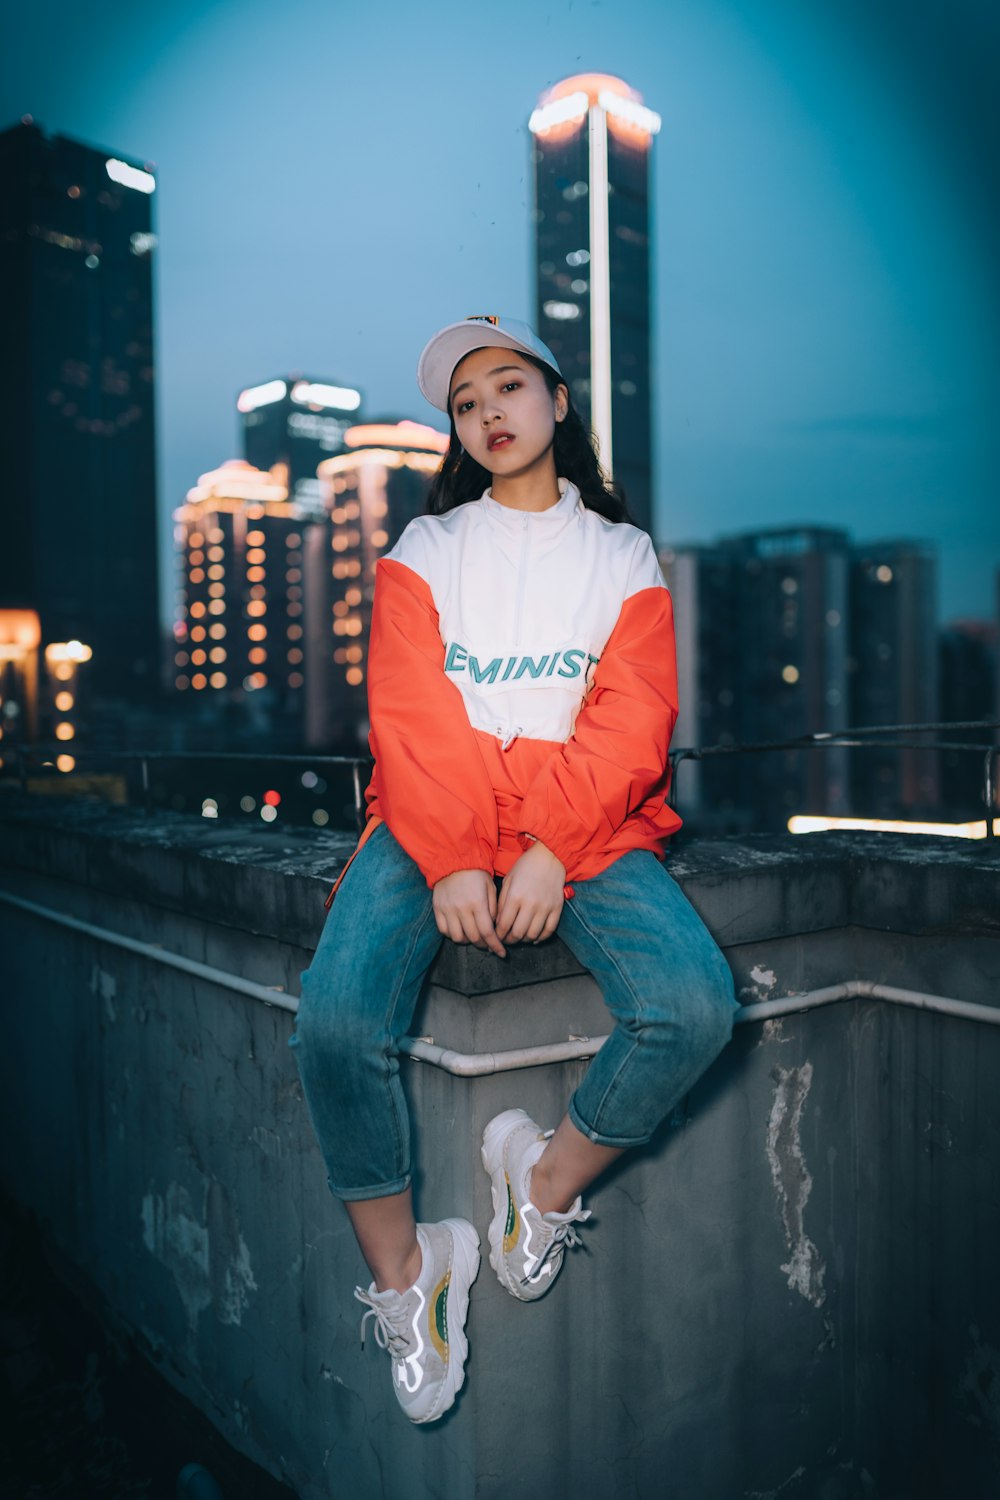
x=481 y=1064
x=158 y=955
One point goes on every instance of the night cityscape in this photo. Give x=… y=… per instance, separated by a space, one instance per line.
x=212 y=433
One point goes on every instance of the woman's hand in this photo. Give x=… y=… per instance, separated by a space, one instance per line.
x=531 y=897
x=465 y=909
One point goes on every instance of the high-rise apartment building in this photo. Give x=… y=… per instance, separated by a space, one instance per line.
x=76 y=403
x=591 y=145
x=372 y=490
x=762 y=622
x=291 y=424
x=893 y=669
x=239 y=619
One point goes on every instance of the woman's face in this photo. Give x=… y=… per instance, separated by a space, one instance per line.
x=503 y=411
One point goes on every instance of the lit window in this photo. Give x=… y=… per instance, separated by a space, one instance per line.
x=257 y=632
x=353 y=596
x=341 y=608
x=353 y=653
x=256 y=555
x=182 y=683
x=255 y=538
x=216 y=535
x=196 y=558
x=256 y=607
x=180 y=660
x=65 y=731
x=295 y=679
x=216 y=571
x=217 y=654
x=256 y=575
x=293 y=539
x=790 y=674
x=352 y=510
x=64 y=701
x=379 y=538
x=257 y=655
x=216 y=590
x=197 y=609
x=217 y=632
x=354 y=676
x=339 y=542
x=884 y=573
x=295 y=655
x=65 y=762
x=198 y=658
x=218 y=679
x=294 y=632
x=199 y=680
x=217 y=607
x=198 y=633
x=294 y=575
x=197 y=575
x=294 y=609
x=353 y=626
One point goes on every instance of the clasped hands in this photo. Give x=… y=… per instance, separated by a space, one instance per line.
x=467 y=909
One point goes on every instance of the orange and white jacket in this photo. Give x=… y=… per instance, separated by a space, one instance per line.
x=521 y=684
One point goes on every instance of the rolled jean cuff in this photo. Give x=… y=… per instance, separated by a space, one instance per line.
x=360 y=1195
x=596 y=1136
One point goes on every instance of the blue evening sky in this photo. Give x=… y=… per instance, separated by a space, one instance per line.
x=336 y=181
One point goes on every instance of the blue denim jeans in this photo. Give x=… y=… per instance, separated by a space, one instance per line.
x=663 y=978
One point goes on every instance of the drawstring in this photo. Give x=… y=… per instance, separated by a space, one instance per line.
x=511 y=736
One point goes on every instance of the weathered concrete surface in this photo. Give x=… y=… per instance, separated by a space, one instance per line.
x=791 y=1292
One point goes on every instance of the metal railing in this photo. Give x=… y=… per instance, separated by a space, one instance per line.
x=865 y=736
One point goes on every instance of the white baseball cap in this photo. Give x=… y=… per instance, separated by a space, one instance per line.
x=443 y=352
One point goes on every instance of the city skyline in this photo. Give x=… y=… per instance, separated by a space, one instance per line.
x=825 y=323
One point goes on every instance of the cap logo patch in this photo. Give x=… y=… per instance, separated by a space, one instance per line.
x=483 y=318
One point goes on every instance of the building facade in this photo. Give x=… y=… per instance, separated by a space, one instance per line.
x=371 y=491
x=592 y=141
x=290 y=425
x=77 y=417
x=239 y=615
x=893 y=668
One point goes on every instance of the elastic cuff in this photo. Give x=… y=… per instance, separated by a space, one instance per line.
x=359 y=1195
x=596 y=1136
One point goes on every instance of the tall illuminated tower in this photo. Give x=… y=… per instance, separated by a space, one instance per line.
x=77 y=411
x=591 y=143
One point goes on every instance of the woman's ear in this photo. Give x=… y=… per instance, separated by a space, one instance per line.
x=562 y=402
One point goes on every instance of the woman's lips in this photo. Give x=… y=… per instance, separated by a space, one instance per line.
x=500 y=440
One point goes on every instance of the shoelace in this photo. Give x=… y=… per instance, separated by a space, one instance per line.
x=387 y=1334
x=562 y=1234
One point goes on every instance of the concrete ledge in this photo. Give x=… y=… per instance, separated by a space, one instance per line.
x=791 y=1290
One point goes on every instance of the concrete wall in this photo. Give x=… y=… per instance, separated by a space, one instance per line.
x=792 y=1291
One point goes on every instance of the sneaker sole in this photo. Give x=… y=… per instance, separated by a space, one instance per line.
x=494 y=1136
x=465 y=1262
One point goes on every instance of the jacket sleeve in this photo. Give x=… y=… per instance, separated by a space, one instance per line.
x=617 y=756
x=432 y=786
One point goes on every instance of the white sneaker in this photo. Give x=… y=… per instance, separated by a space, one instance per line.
x=424 y=1328
x=526 y=1247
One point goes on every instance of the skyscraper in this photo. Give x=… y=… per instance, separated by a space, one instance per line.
x=372 y=491
x=591 y=143
x=76 y=402
x=291 y=424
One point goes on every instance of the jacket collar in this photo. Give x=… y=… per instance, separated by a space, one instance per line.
x=563 y=510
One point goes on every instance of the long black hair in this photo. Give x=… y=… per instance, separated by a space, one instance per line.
x=460 y=478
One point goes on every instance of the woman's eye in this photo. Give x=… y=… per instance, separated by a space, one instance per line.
x=463 y=406
x=512 y=385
